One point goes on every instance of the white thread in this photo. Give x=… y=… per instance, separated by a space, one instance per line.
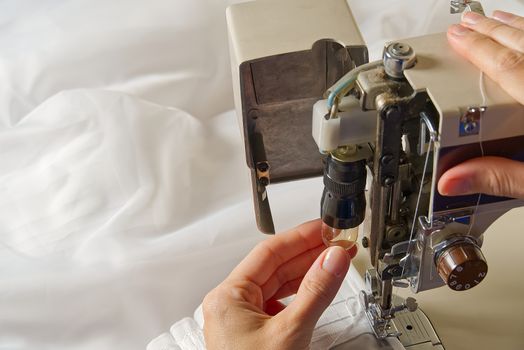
x=482 y=88
x=484 y=107
x=431 y=141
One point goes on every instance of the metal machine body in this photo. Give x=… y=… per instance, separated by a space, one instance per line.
x=408 y=117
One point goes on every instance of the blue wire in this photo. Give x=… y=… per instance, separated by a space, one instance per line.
x=333 y=94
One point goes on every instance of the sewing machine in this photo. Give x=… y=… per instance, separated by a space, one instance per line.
x=381 y=134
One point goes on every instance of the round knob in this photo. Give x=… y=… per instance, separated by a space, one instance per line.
x=462 y=266
x=397 y=57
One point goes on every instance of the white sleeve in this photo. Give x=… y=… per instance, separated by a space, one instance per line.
x=186 y=334
x=165 y=341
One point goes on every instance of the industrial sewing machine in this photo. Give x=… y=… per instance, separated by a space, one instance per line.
x=382 y=134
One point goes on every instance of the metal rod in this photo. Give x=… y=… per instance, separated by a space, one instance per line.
x=387 y=292
x=395 y=202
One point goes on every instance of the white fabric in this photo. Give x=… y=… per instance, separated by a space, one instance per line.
x=124 y=195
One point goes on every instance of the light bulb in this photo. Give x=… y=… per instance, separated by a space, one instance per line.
x=345 y=238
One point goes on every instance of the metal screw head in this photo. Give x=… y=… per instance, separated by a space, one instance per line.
x=470 y=122
x=470 y=127
x=386 y=159
x=388 y=181
x=411 y=304
x=400 y=49
x=264 y=181
x=253 y=114
x=263 y=166
x=397 y=57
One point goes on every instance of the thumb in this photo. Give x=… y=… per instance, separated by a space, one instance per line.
x=489 y=175
x=318 y=288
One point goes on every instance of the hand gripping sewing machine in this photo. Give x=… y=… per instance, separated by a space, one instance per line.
x=392 y=127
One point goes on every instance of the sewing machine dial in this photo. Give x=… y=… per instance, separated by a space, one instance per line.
x=462 y=266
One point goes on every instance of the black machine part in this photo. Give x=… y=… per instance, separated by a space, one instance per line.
x=343 y=202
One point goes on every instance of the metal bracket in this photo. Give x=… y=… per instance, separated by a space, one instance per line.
x=459 y=6
x=426 y=124
x=470 y=121
x=263 y=173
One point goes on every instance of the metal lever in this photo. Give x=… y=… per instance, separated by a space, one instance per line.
x=410 y=304
x=459 y=6
x=425 y=123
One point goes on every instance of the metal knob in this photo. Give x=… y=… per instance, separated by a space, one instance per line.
x=398 y=57
x=462 y=266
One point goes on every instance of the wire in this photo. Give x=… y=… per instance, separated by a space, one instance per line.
x=346 y=83
x=482 y=88
x=414 y=224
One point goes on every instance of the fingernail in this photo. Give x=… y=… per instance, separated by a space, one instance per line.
x=458 y=187
x=458 y=30
x=471 y=17
x=336 y=261
x=504 y=17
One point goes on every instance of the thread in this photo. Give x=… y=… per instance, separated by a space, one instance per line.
x=482 y=89
x=414 y=224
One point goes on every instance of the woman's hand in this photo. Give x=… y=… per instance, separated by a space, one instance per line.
x=496 y=46
x=243 y=312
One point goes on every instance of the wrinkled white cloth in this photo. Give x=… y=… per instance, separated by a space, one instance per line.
x=124 y=195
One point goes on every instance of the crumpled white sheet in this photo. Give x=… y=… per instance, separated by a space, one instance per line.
x=124 y=195
x=90 y=193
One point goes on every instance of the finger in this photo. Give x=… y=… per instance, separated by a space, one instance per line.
x=506 y=35
x=291 y=270
x=353 y=251
x=262 y=262
x=489 y=175
x=292 y=286
x=510 y=19
x=505 y=66
x=319 y=287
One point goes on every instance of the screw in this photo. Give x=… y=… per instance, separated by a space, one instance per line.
x=264 y=181
x=386 y=159
x=411 y=304
x=253 y=114
x=365 y=242
x=388 y=181
x=400 y=49
x=263 y=167
x=470 y=127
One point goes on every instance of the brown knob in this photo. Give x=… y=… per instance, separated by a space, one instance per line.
x=462 y=266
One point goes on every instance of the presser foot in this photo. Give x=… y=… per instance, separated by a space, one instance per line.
x=406 y=322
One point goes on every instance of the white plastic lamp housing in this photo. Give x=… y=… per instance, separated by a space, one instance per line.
x=352 y=126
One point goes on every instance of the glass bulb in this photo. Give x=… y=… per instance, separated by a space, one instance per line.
x=345 y=238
